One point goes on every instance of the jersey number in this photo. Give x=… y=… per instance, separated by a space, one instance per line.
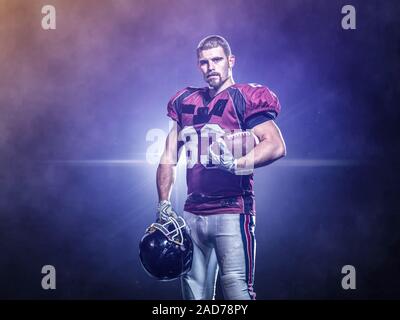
x=199 y=142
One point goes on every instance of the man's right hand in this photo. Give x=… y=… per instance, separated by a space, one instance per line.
x=164 y=210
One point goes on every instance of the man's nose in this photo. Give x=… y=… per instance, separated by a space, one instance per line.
x=211 y=66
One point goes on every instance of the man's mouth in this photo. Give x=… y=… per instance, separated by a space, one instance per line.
x=213 y=75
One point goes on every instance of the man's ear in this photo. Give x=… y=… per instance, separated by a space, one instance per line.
x=231 y=60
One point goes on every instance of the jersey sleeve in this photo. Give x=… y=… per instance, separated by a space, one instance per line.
x=262 y=105
x=174 y=108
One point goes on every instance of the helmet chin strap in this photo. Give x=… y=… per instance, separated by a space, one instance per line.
x=175 y=235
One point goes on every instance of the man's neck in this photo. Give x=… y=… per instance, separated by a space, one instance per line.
x=228 y=82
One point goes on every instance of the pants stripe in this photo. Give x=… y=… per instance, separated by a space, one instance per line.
x=248 y=244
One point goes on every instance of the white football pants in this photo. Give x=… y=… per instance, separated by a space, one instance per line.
x=224 y=243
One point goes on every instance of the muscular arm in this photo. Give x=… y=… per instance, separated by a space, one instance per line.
x=167 y=167
x=271 y=146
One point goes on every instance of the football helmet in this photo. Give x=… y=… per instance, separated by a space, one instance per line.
x=166 y=249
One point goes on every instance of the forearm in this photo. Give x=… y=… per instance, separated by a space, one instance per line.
x=165 y=180
x=263 y=154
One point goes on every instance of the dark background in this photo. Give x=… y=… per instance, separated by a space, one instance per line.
x=76 y=104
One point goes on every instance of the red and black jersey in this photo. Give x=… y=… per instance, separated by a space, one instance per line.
x=238 y=107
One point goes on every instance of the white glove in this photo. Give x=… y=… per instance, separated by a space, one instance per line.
x=164 y=211
x=224 y=160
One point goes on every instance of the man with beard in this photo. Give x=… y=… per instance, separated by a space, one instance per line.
x=220 y=206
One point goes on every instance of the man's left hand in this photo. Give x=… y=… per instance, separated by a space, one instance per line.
x=224 y=160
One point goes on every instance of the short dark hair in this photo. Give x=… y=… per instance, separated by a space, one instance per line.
x=214 y=41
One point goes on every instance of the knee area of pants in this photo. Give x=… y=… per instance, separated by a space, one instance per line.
x=233 y=277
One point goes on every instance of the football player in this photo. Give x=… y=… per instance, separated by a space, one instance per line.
x=220 y=205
